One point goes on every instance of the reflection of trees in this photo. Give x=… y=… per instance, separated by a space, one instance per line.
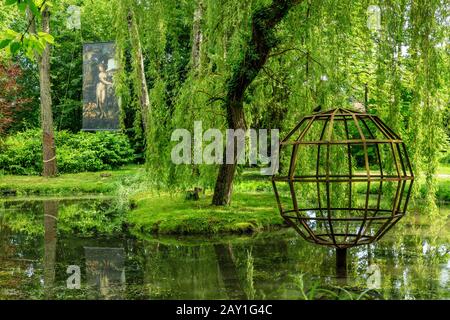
x=181 y=271
x=105 y=271
x=5 y=247
x=50 y=239
x=135 y=266
x=281 y=258
x=412 y=257
x=228 y=271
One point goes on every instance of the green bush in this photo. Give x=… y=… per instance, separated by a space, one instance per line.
x=76 y=152
x=443 y=191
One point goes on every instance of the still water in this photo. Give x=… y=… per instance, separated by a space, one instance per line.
x=79 y=249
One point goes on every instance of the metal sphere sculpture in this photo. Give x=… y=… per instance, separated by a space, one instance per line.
x=346 y=180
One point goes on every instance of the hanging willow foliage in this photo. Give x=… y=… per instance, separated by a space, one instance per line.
x=326 y=56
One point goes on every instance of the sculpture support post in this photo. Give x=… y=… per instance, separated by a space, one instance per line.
x=341 y=262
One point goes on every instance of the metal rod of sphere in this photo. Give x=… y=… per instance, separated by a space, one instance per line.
x=321 y=200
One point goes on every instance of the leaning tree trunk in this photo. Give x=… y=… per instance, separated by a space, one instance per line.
x=224 y=182
x=136 y=44
x=257 y=49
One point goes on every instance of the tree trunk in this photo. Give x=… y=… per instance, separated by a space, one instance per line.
x=48 y=135
x=257 y=49
x=144 y=98
x=224 y=182
x=197 y=35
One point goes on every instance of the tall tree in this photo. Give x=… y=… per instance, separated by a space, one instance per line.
x=43 y=59
x=197 y=35
x=256 y=52
x=136 y=47
x=35 y=43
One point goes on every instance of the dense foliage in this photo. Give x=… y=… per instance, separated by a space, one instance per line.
x=13 y=101
x=22 y=153
x=327 y=53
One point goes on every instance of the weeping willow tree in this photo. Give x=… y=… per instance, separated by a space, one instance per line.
x=265 y=64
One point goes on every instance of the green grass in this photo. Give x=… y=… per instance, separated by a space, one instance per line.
x=102 y=182
x=444 y=168
x=171 y=214
x=253 y=205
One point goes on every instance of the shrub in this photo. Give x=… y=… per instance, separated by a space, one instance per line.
x=443 y=191
x=76 y=152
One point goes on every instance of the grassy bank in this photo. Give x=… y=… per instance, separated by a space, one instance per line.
x=253 y=206
x=171 y=214
x=102 y=182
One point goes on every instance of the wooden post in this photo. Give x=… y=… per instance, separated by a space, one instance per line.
x=341 y=262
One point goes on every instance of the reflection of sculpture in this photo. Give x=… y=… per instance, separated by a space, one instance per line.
x=101 y=89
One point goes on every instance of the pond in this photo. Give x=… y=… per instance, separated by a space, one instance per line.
x=78 y=249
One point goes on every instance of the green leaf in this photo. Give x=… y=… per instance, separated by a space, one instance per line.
x=14 y=47
x=47 y=37
x=9 y=34
x=34 y=9
x=22 y=6
x=47 y=4
x=10 y=2
x=4 y=43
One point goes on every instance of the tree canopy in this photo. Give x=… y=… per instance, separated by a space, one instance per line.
x=322 y=53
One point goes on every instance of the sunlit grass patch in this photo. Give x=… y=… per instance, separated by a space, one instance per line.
x=166 y=213
x=101 y=182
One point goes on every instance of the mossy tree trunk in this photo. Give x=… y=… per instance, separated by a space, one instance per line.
x=256 y=52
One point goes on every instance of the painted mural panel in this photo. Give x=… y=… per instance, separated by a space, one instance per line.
x=100 y=105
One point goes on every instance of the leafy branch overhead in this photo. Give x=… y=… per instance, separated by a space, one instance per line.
x=28 y=41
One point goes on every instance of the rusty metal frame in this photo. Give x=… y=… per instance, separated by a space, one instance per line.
x=372 y=220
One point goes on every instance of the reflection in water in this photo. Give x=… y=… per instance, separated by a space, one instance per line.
x=410 y=262
x=228 y=271
x=50 y=239
x=105 y=270
x=341 y=265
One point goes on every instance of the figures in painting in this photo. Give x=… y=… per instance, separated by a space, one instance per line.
x=100 y=106
x=101 y=89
